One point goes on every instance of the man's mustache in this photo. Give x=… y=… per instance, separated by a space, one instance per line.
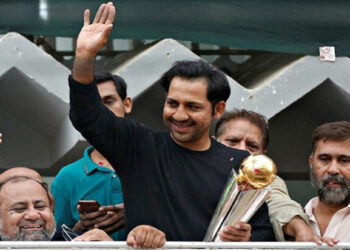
x=31 y=224
x=334 y=178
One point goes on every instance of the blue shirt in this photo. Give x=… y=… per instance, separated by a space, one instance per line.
x=85 y=180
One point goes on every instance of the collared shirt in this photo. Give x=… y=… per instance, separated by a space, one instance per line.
x=338 y=227
x=85 y=180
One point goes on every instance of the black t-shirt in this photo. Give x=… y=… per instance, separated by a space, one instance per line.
x=164 y=185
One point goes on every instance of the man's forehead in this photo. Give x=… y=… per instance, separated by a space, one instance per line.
x=179 y=82
x=241 y=124
x=107 y=88
x=184 y=79
x=24 y=189
x=188 y=90
x=326 y=146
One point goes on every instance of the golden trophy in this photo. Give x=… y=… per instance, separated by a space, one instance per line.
x=244 y=193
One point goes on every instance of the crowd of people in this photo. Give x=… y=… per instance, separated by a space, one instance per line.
x=154 y=186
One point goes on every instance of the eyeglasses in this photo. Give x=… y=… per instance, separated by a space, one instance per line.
x=67 y=233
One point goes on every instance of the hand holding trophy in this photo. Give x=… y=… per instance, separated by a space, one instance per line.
x=244 y=193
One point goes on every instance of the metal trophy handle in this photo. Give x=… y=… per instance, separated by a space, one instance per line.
x=244 y=193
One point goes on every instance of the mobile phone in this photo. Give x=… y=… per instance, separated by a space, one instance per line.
x=89 y=206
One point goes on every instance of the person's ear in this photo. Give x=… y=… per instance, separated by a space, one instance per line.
x=52 y=203
x=128 y=104
x=311 y=157
x=219 y=109
x=265 y=151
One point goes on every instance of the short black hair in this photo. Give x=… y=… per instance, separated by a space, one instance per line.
x=218 y=86
x=119 y=82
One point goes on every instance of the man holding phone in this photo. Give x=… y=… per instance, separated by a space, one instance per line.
x=88 y=192
x=88 y=206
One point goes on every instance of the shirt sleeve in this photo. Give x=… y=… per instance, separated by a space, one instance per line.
x=112 y=136
x=63 y=214
x=282 y=208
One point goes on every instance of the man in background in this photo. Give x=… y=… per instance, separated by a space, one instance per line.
x=248 y=130
x=25 y=210
x=93 y=177
x=329 y=212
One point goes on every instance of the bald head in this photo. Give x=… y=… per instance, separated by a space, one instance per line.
x=25 y=210
x=26 y=172
x=20 y=171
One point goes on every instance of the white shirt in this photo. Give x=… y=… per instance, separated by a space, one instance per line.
x=338 y=227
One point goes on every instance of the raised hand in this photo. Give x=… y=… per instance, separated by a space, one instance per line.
x=91 y=39
x=94 y=36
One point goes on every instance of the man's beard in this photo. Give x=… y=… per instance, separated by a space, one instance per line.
x=331 y=195
x=43 y=234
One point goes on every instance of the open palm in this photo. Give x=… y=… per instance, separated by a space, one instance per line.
x=94 y=36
